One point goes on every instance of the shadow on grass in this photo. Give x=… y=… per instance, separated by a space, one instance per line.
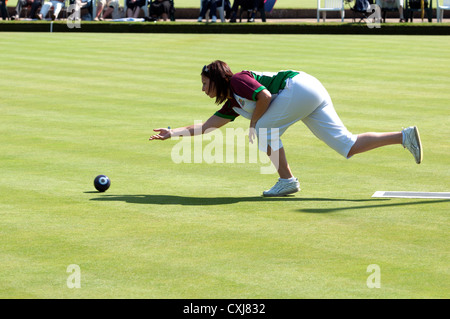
x=210 y=201
x=336 y=209
x=205 y=201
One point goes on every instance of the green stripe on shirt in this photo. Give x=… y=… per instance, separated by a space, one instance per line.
x=257 y=91
x=274 y=82
x=230 y=117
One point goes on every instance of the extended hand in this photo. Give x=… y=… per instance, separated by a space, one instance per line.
x=164 y=133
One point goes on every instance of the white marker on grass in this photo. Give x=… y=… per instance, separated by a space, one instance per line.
x=403 y=194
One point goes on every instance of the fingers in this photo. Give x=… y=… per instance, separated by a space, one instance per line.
x=163 y=134
x=158 y=137
x=251 y=135
x=155 y=137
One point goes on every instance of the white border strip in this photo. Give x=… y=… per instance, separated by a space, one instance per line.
x=428 y=195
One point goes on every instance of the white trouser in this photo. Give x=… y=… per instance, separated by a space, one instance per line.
x=57 y=6
x=304 y=98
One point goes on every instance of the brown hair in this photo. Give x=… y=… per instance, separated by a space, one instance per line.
x=219 y=73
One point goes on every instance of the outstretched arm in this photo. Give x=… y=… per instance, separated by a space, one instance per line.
x=212 y=123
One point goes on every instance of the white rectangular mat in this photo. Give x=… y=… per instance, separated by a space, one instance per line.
x=430 y=195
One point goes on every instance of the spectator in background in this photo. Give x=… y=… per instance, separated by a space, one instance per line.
x=212 y=5
x=35 y=4
x=57 y=6
x=400 y=10
x=111 y=6
x=3 y=9
x=160 y=8
x=134 y=8
x=246 y=4
x=85 y=4
x=392 y=4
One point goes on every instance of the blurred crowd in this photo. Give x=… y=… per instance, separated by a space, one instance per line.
x=210 y=10
x=149 y=10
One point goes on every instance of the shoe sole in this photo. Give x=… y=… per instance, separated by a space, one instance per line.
x=416 y=131
x=280 y=195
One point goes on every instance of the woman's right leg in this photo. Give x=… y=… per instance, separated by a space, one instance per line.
x=369 y=141
x=326 y=125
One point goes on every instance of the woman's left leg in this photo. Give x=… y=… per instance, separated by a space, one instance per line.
x=287 y=183
x=289 y=107
x=278 y=159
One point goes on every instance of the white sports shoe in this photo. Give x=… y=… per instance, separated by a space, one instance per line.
x=282 y=188
x=411 y=141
